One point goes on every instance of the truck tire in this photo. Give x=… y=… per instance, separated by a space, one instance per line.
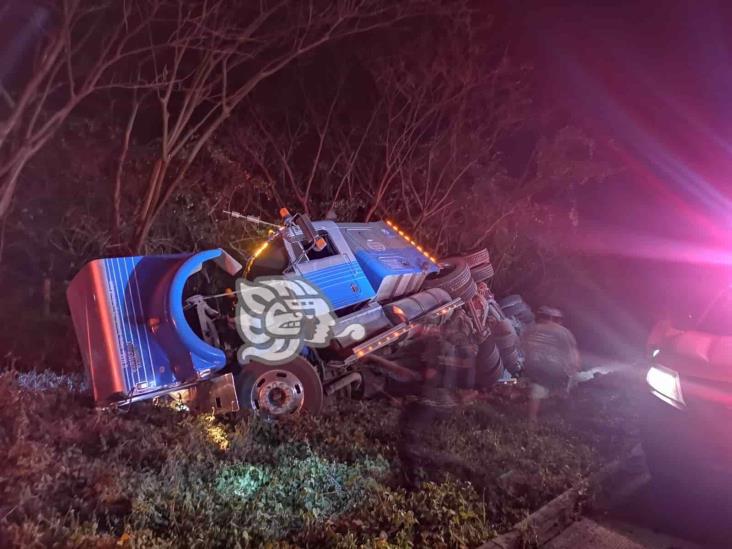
x=275 y=392
x=454 y=275
x=467 y=292
x=507 y=342
x=488 y=365
x=482 y=272
x=478 y=257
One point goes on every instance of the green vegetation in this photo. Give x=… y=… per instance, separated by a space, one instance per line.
x=153 y=476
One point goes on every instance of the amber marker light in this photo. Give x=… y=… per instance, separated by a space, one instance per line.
x=420 y=249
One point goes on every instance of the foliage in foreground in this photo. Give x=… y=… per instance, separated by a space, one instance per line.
x=156 y=477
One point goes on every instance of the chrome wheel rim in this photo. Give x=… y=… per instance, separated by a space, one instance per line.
x=277 y=393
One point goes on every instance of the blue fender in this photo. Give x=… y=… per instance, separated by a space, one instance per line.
x=203 y=355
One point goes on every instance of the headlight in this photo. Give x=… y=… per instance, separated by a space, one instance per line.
x=665 y=384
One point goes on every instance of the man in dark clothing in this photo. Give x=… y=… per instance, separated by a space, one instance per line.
x=454 y=351
x=447 y=354
x=551 y=358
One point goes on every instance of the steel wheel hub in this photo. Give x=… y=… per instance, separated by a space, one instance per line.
x=278 y=393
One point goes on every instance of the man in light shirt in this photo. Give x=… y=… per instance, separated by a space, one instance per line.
x=551 y=358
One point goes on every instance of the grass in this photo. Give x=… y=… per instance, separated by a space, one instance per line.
x=72 y=476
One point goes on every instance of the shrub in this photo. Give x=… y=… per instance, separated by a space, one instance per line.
x=153 y=476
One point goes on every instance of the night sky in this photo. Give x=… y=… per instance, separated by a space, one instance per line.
x=653 y=79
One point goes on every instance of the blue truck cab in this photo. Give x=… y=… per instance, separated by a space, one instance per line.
x=144 y=333
x=360 y=262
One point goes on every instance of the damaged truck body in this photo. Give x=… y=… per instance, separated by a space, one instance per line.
x=170 y=325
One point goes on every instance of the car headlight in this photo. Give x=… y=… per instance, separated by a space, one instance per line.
x=666 y=385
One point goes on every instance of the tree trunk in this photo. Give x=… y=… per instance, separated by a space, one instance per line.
x=147 y=212
x=117 y=194
x=142 y=233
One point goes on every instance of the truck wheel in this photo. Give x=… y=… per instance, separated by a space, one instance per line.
x=467 y=292
x=488 y=365
x=279 y=391
x=507 y=342
x=482 y=272
x=453 y=276
x=478 y=257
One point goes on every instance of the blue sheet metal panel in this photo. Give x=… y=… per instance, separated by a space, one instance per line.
x=145 y=364
x=379 y=265
x=157 y=346
x=203 y=355
x=344 y=284
x=381 y=252
x=142 y=342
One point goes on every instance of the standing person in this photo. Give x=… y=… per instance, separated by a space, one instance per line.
x=455 y=352
x=551 y=358
x=447 y=354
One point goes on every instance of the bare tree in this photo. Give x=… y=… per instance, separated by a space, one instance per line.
x=429 y=151
x=444 y=113
x=447 y=116
x=306 y=156
x=76 y=51
x=434 y=121
x=118 y=183
x=216 y=53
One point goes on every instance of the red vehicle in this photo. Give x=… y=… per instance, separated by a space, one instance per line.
x=687 y=432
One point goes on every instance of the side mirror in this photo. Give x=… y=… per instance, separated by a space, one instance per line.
x=306 y=226
x=309 y=232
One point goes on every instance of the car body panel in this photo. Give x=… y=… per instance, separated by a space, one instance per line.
x=689 y=445
x=693 y=353
x=691 y=441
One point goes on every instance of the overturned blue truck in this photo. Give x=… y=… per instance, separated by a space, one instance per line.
x=320 y=308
